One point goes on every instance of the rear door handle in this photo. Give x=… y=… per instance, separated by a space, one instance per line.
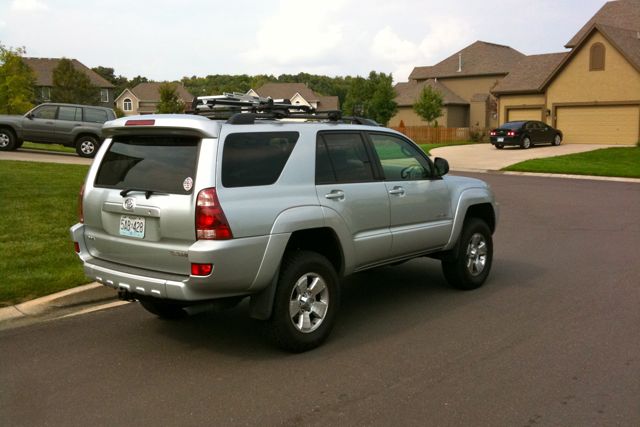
x=399 y=191
x=335 y=195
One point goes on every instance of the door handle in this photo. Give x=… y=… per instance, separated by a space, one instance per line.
x=399 y=191
x=335 y=195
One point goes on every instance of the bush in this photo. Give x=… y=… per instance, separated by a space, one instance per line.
x=478 y=135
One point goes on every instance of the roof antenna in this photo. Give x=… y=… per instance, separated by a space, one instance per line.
x=460 y=62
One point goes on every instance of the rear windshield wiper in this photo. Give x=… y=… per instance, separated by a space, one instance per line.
x=147 y=193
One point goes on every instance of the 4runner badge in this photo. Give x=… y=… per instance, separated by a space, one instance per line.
x=129 y=203
x=187 y=184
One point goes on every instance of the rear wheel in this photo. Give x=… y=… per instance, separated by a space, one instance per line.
x=469 y=263
x=526 y=142
x=7 y=140
x=306 y=302
x=557 y=140
x=163 y=309
x=87 y=146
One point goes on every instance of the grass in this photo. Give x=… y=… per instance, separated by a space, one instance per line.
x=48 y=147
x=428 y=147
x=615 y=162
x=38 y=204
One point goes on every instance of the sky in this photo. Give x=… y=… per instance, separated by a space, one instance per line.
x=170 y=39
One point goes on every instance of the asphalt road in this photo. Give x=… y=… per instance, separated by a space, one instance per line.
x=551 y=340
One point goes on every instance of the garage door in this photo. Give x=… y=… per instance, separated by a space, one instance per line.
x=524 y=114
x=599 y=125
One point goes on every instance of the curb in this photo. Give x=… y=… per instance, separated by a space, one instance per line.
x=80 y=296
x=550 y=175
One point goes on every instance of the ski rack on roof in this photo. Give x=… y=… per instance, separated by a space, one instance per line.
x=239 y=108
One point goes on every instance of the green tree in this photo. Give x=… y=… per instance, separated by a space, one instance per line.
x=108 y=73
x=17 y=82
x=429 y=105
x=357 y=98
x=170 y=102
x=73 y=86
x=382 y=105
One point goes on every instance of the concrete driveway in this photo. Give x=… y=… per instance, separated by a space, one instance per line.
x=485 y=157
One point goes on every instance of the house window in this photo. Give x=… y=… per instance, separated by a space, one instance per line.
x=45 y=93
x=596 y=57
x=104 y=95
x=127 y=105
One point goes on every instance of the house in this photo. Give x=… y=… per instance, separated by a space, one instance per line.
x=145 y=97
x=298 y=94
x=465 y=80
x=592 y=92
x=43 y=69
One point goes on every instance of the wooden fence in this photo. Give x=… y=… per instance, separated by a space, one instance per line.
x=429 y=134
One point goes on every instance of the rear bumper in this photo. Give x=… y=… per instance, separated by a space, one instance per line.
x=506 y=140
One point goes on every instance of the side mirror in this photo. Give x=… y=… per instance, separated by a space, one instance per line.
x=442 y=166
x=29 y=116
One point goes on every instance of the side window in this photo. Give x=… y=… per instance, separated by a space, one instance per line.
x=342 y=158
x=46 y=112
x=400 y=160
x=255 y=158
x=94 y=115
x=70 y=113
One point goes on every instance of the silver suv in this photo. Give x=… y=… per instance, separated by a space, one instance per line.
x=274 y=205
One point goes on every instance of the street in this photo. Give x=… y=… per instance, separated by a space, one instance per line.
x=550 y=340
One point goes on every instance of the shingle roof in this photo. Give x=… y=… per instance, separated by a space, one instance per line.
x=150 y=91
x=623 y=14
x=627 y=41
x=530 y=73
x=407 y=93
x=479 y=58
x=288 y=90
x=43 y=69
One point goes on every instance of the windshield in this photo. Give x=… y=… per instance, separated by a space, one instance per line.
x=150 y=163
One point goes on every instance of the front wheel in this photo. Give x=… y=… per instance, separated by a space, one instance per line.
x=7 y=140
x=87 y=146
x=306 y=302
x=469 y=263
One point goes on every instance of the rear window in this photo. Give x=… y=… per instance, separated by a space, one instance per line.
x=512 y=125
x=255 y=158
x=95 y=116
x=158 y=164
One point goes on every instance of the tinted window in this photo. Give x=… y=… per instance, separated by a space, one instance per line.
x=94 y=115
x=46 y=112
x=162 y=164
x=512 y=125
x=70 y=113
x=342 y=157
x=401 y=161
x=256 y=158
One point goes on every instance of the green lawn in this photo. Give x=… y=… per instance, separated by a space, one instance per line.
x=428 y=147
x=48 y=147
x=616 y=162
x=38 y=204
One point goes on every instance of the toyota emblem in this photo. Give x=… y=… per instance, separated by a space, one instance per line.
x=129 y=203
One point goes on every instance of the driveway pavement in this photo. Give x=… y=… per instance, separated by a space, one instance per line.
x=485 y=157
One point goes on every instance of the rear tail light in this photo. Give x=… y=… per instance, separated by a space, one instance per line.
x=511 y=133
x=76 y=246
x=211 y=223
x=493 y=133
x=201 y=269
x=80 y=208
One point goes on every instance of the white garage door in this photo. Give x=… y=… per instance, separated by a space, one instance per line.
x=599 y=125
x=524 y=114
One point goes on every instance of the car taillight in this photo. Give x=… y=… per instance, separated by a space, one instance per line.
x=80 y=208
x=493 y=133
x=211 y=224
x=511 y=133
x=76 y=247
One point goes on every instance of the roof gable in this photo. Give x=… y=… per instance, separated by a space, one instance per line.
x=479 y=58
x=530 y=74
x=126 y=94
x=624 y=14
x=150 y=92
x=43 y=69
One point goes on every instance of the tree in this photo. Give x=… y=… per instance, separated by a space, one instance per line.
x=381 y=105
x=73 y=86
x=108 y=73
x=170 y=102
x=429 y=104
x=17 y=82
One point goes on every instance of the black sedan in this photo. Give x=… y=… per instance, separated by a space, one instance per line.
x=525 y=134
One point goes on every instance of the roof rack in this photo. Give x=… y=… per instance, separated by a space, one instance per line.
x=240 y=108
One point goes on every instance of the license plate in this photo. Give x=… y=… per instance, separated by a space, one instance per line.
x=132 y=226
x=501 y=139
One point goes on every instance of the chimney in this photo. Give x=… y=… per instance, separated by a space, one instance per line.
x=460 y=62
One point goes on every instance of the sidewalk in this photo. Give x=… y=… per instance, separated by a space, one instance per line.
x=78 y=300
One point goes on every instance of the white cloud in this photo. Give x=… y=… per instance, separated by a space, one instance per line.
x=28 y=5
x=387 y=45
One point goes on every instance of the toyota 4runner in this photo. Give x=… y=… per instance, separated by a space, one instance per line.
x=251 y=198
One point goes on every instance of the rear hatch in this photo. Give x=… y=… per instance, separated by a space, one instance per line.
x=139 y=202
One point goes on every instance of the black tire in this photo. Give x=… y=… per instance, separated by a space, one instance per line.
x=525 y=143
x=164 y=310
x=310 y=325
x=469 y=263
x=499 y=146
x=7 y=140
x=19 y=143
x=87 y=146
x=557 y=140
